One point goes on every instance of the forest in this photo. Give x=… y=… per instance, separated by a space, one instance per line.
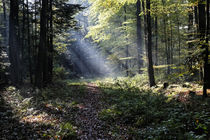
x=104 y=70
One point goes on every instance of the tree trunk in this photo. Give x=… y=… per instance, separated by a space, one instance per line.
x=14 y=54
x=42 y=54
x=139 y=37
x=206 y=54
x=172 y=45
x=45 y=72
x=190 y=26
x=179 y=40
x=50 y=66
x=29 y=44
x=35 y=48
x=126 y=47
x=23 y=29
x=145 y=25
x=196 y=17
x=167 y=53
x=156 y=40
x=149 y=49
x=5 y=23
x=196 y=36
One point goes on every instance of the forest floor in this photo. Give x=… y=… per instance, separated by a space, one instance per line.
x=104 y=110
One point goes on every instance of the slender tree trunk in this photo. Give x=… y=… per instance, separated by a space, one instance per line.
x=166 y=40
x=196 y=36
x=179 y=40
x=14 y=54
x=45 y=72
x=50 y=67
x=196 y=18
x=145 y=25
x=29 y=44
x=206 y=54
x=35 y=48
x=42 y=56
x=168 y=52
x=126 y=47
x=190 y=26
x=172 y=45
x=4 y=10
x=149 y=49
x=156 y=40
x=22 y=40
x=23 y=30
x=139 y=37
x=5 y=23
x=166 y=43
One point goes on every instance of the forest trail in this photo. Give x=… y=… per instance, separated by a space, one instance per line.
x=85 y=111
x=46 y=119
x=91 y=127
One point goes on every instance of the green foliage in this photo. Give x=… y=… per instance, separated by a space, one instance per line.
x=67 y=131
x=151 y=115
x=60 y=73
x=123 y=82
x=108 y=15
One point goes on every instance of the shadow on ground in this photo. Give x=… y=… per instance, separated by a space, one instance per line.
x=11 y=128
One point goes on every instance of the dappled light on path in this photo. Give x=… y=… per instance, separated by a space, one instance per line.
x=108 y=109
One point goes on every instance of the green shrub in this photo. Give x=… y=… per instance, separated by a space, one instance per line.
x=60 y=73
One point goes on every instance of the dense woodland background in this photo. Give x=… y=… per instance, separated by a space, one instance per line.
x=160 y=42
x=168 y=37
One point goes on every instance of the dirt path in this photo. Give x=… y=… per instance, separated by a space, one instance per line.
x=90 y=126
x=24 y=118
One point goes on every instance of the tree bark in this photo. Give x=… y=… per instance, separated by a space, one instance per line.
x=139 y=37
x=156 y=40
x=145 y=25
x=50 y=66
x=29 y=44
x=5 y=23
x=206 y=54
x=14 y=54
x=42 y=55
x=179 y=40
x=126 y=47
x=149 y=49
x=190 y=26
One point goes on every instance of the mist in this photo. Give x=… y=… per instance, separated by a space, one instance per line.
x=82 y=53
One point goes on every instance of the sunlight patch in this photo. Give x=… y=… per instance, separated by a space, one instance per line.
x=41 y=118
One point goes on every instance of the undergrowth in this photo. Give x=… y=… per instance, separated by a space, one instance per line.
x=51 y=109
x=151 y=114
x=130 y=108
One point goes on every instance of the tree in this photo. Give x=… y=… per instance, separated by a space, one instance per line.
x=51 y=50
x=5 y=23
x=42 y=50
x=149 y=49
x=206 y=47
x=29 y=44
x=139 y=36
x=126 y=46
x=14 y=52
